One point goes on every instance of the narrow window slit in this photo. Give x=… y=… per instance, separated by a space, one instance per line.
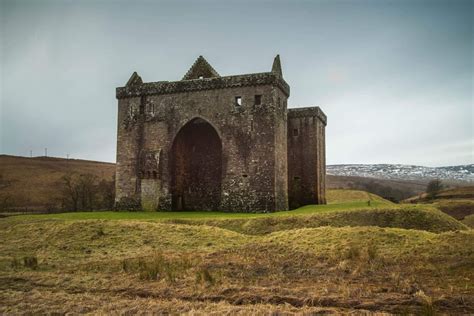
x=258 y=99
x=238 y=101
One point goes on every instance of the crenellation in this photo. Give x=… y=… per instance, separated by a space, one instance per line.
x=166 y=87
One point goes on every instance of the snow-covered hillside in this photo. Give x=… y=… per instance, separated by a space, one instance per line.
x=405 y=172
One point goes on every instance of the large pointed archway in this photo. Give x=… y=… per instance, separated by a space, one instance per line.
x=196 y=167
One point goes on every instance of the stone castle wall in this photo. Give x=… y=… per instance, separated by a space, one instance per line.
x=306 y=156
x=248 y=133
x=209 y=143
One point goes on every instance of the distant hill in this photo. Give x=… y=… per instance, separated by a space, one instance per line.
x=462 y=173
x=35 y=183
x=390 y=189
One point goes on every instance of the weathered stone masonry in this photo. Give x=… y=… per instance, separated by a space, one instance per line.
x=217 y=143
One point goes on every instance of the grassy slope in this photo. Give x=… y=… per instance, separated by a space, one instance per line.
x=350 y=182
x=310 y=209
x=35 y=182
x=83 y=264
x=457 y=193
x=456 y=202
x=346 y=208
x=463 y=192
x=345 y=195
x=469 y=221
x=339 y=257
x=427 y=219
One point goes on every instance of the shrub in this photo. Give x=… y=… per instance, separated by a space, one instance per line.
x=30 y=262
x=84 y=192
x=433 y=188
x=157 y=267
x=203 y=276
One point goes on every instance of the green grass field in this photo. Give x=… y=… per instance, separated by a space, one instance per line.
x=124 y=215
x=337 y=200
x=343 y=257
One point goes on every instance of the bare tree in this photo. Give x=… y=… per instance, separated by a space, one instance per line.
x=433 y=188
x=6 y=199
x=106 y=191
x=70 y=193
x=84 y=192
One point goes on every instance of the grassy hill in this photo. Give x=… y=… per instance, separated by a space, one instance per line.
x=466 y=192
x=350 y=195
x=408 y=218
x=395 y=190
x=349 y=256
x=35 y=183
x=343 y=257
x=456 y=202
x=457 y=193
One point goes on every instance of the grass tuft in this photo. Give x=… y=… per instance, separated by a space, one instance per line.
x=352 y=252
x=372 y=251
x=426 y=303
x=204 y=277
x=157 y=267
x=15 y=263
x=30 y=262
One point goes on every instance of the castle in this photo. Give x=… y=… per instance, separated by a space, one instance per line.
x=211 y=142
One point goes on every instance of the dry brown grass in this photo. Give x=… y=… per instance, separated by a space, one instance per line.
x=457 y=208
x=345 y=195
x=420 y=217
x=469 y=221
x=35 y=183
x=144 y=267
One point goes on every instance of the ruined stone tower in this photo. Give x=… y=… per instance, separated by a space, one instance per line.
x=209 y=142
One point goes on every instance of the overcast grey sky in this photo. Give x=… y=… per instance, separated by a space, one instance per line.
x=394 y=77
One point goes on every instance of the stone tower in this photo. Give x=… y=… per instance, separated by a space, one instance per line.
x=211 y=142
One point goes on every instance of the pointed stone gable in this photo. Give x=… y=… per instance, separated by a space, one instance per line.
x=135 y=80
x=200 y=69
x=276 y=67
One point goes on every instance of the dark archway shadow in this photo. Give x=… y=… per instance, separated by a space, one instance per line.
x=196 y=167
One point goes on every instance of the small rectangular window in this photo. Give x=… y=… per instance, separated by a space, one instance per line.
x=296 y=178
x=258 y=99
x=295 y=132
x=238 y=101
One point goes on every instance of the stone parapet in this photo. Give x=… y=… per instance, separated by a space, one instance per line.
x=169 y=87
x=308 y=112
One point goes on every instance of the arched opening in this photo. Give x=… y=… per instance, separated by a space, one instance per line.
x=196 y=167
